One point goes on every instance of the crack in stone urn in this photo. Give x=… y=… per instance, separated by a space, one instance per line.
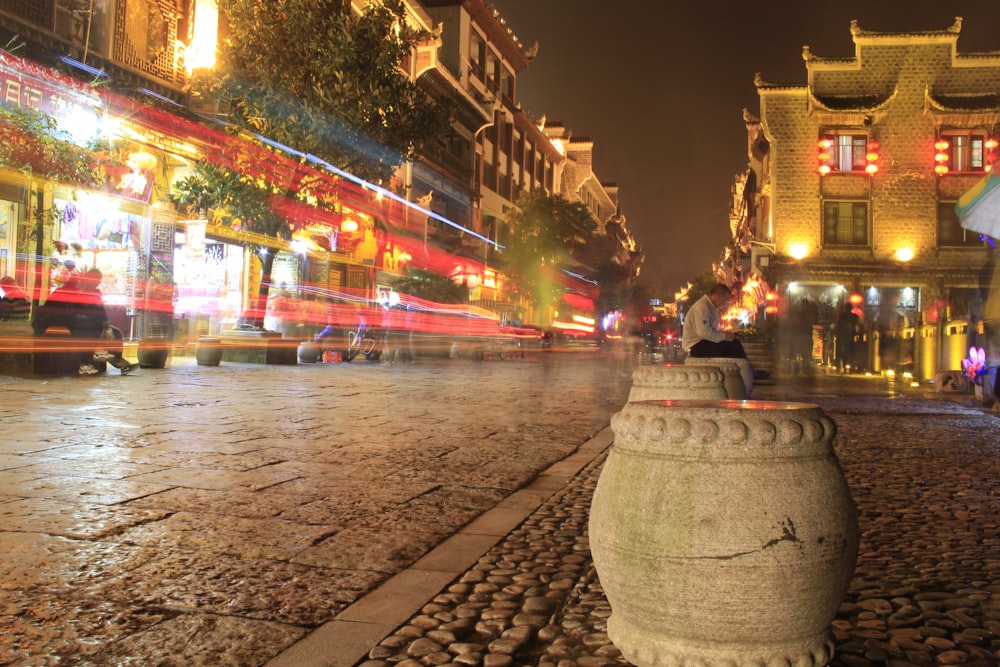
x=723 y=533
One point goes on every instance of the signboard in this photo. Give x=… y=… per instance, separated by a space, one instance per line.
x=27 y=85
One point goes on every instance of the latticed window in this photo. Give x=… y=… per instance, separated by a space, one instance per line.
x=845 y=223
x=34 y=11
x=950 y=231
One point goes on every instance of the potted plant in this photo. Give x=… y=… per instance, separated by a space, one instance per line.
x=974 y=367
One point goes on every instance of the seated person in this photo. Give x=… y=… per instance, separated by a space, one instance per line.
x=15 y=306
x=79 y=306
x=702 y=338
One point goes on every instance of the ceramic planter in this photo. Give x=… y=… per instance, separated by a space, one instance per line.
x=723 y=533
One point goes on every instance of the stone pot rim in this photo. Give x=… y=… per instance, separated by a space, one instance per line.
x=750 y=405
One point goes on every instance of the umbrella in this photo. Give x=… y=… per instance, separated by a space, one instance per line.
x=979 y=208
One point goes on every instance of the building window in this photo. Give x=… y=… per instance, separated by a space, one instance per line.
x=844 y=150
x=950 y=232
x=966 y=151
x=845 y=223
x=477 y=56
x=507 y=86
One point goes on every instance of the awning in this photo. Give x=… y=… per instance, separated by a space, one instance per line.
x=578 y=302
x=978 y=209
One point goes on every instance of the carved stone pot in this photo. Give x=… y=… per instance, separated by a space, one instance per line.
x=208 y=351
x=152 y=353
x=677 y=381
x=738 y=373
x=310 y=352
x=723 y=533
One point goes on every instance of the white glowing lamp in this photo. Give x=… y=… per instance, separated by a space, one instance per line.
x=798 y=250
x=904 y=254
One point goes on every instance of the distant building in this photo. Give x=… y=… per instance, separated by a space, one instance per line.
x=851 y=190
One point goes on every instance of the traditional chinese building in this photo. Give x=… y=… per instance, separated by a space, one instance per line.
x=851 y=191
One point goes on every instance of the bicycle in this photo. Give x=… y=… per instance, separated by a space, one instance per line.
x=367 y=341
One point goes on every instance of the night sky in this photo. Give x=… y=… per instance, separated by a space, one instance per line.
x=661 y=87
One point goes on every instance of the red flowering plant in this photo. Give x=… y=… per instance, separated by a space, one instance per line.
x=30 y=143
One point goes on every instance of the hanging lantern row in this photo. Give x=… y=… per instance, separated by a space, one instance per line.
x=871 y=157
x=825 y=158
x=942 y=155
x=827 y=163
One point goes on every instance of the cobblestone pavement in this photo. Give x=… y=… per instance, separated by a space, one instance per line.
x=217 y=515
x=245 y=515
x=924 y=472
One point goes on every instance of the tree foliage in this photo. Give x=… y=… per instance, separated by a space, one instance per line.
x=614 y=267
x=315 y=76
x=431 y=286
x=33 y=143
x=548 y=233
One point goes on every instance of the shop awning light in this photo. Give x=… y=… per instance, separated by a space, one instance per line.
x=162 y=98
x=578 y=276
x=73 y=62
x=391 y=195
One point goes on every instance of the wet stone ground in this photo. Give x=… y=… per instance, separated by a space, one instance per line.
x=925 y=474
x=215 y=516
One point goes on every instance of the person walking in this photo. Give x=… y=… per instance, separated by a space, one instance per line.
x=844 y=331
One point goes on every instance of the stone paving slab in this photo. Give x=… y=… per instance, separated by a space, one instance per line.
x=310 y=515
x=923 y=472
x=214 y=516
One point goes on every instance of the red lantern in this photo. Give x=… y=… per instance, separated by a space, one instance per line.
x=824 y=157
x=941 y=157
x=872 y=157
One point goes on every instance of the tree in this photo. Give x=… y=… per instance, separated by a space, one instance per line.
x=431 y=286
x=615 y=268
x=35 y=145
x=314 y=76
x=548 y=232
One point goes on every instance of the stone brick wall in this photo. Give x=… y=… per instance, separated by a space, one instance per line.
x=883 y=93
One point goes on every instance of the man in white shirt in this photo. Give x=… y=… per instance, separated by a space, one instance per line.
x=702 y=338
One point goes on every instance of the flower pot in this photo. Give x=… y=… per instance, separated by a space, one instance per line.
x=310 y=352
x=152 y=353
x=723 y=533
x=208 y=351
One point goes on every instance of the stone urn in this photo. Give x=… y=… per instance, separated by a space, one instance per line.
x=738 y=374
x=152 y=352
x=677 y=381
x=310 y=352
x=208 y=351
x=723 y=533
